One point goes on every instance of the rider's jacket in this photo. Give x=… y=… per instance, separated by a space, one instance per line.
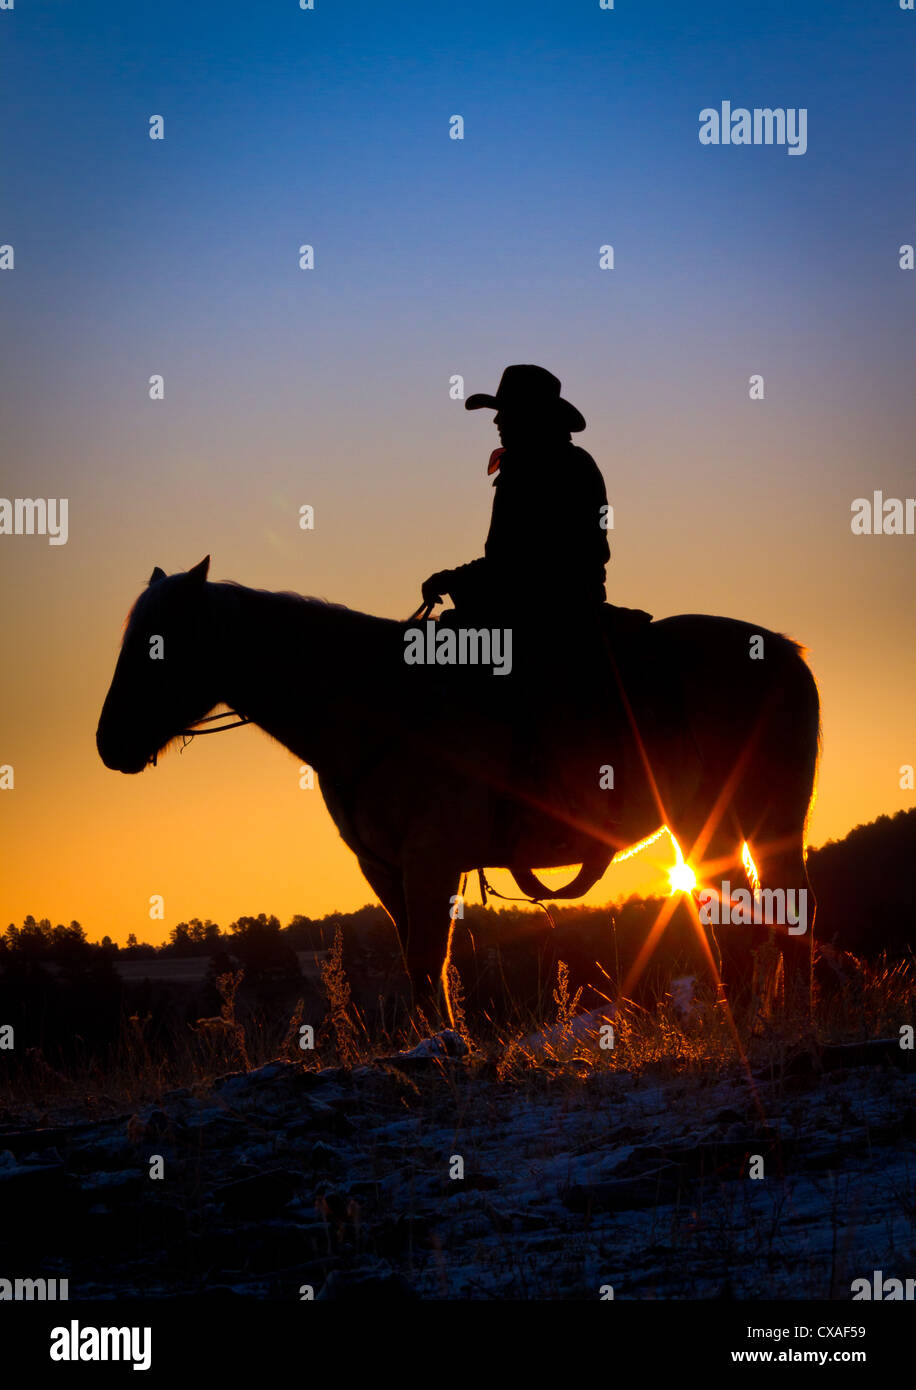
x=547 y=545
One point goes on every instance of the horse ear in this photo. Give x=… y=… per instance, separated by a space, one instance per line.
x=199 y=572
x=156 y=575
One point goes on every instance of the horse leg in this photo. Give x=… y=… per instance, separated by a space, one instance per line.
x=790 y=942
x=750 y=961
x=773 y=960
x=779 y=796
x=715 y=855
x=430 y=892
x=773 y=802
x=767 y=812
x=387 y=884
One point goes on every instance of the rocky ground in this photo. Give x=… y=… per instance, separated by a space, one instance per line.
x=349 y=1183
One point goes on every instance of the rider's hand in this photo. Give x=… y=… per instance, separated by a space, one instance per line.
x=435 y=586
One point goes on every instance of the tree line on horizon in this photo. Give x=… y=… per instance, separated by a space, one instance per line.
x=865 y=905
x=67 y=997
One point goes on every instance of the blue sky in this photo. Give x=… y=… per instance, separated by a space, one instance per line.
x=436 y=257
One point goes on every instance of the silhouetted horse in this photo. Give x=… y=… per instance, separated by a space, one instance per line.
x=720 y=747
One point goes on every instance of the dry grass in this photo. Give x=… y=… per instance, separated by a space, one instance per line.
x=869 y=1000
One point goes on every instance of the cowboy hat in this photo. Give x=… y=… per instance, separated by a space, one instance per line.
x=526 y=388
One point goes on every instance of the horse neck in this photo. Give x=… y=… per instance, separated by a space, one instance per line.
x=297 y=668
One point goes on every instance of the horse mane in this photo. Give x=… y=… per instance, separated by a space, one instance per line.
x=367 y=624
x=152 y=596
x=289 y=594
x=353 y=642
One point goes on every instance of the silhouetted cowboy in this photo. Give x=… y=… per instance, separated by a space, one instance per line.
x=547 y=547
x=542 y=574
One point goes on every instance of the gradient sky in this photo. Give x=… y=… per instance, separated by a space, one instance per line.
x=330 y=387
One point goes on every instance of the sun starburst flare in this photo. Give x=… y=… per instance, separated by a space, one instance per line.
x=681 y=877
x=750 y=868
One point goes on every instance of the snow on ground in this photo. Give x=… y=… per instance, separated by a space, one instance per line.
x=425 y=1175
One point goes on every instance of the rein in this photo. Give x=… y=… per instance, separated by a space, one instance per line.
x=194 y=732
x=237 y=720
x=486 y=887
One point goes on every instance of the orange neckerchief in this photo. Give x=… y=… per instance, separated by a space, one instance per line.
x=495 y=459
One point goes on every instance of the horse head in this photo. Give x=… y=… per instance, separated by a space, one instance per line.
x=164 y=680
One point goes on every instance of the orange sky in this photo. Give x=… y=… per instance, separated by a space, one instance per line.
x=330 y=387
x=224 y=828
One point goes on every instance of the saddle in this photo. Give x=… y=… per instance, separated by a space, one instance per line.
x=621 y=626
x=556 y=777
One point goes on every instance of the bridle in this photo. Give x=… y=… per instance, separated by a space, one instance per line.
x=193 y=732
x=237 y=720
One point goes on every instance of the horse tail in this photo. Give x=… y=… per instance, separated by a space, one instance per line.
x=805 y=729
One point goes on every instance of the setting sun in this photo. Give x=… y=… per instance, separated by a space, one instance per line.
x=680 y=875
